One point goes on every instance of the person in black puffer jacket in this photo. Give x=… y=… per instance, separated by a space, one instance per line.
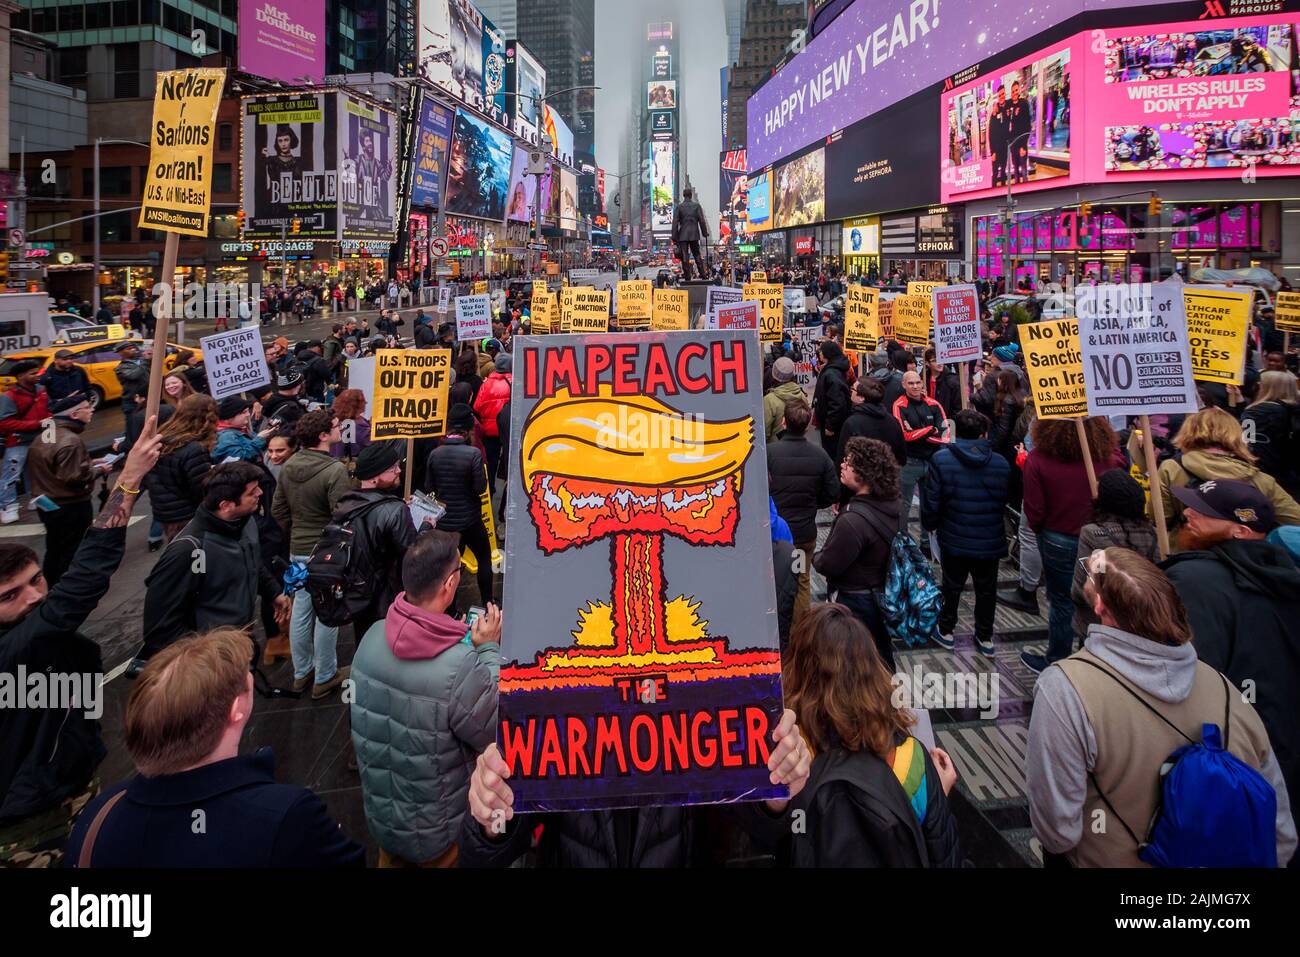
x=942 y=383
x=457 y=476
x=868 y=419
x=176 y=483
x=831 y=396
x=964 y=498
x=802 y=480
x=1275 y=420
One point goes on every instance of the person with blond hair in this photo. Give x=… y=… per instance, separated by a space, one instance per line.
x=1273 y=432
x=875 y=796
x=196 y=801
x=1210 y=446
x=1106 y=719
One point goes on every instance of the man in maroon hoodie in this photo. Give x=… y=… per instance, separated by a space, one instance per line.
x=22 y=410
x=424 y=706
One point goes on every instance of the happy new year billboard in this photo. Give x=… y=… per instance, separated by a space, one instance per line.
x=640 y=662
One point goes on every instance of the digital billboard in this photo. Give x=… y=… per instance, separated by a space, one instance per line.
x=526 y=78
x=733 y=196
x=523 y=188
x=494 y=72
x=1011 y=125
x=568 y=200
x=561 y=136
x=661 y=121
x=870 y=167
x=451 y=48
x=367 y=161
x=663 y=185
x=759 y=201
x=661 y=94
x=432 y=141
x=282 y=41
x=478 y=172
x=290 y=166
x=799 y=191
x=863 y=240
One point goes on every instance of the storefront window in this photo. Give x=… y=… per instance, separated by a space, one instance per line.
x=1233 y=229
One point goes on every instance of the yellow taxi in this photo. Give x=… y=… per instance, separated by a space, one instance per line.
x=99 y=359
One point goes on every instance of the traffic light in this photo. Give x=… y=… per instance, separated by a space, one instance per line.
x=1085 y=210
x=1154 y=205
x=296 y=227
x=239 y=221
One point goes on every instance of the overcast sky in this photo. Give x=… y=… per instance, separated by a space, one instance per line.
x=701 y=30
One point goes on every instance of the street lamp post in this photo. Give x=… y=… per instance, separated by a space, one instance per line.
x=1009 y=216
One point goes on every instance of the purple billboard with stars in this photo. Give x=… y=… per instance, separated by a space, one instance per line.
x=282 y=39
x=877 y=54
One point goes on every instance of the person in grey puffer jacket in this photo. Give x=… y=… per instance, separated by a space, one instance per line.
x=425 y=705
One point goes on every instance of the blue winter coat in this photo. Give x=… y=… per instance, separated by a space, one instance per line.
x=235 y=443
x=964 y=497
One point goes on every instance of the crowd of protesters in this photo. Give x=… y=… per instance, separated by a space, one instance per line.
x=250 y=492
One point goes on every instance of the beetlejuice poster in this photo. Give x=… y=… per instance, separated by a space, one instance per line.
x=640 y=655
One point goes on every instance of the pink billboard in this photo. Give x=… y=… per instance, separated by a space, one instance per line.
x=282 y=39
x=1168 y=101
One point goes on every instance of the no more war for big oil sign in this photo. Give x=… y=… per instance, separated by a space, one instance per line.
x=411 y=393
x=1136 y=359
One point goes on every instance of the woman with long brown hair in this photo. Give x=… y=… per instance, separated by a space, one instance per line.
x=1211 y=446
x=176 y=482
x=1106 y=719
x=350 y=406
x=875 y=797
x=1057 y=502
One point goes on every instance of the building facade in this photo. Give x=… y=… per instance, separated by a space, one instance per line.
x=768 y=29
x=562 y=35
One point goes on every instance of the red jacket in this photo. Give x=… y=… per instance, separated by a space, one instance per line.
x=922 y=424
x=1057 y=495
x=493 y=394
x=22 y=412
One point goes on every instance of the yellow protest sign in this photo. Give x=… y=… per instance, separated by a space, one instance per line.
x=861 y=319
x=634 y=305
x=771 y=308
x=758 y=275
x=912 y=319
x=480 y=287
x=672 y=310
x=542 y=314
x=1217 y=323
x=178 y=189
x=590 y=310
x=539 y=287
x=885 y=313
x=1054 y=363
x=916 y=288
x=411 y=393
x=1286 y=317
x=567 y=294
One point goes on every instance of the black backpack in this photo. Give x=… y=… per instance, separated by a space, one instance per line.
x=340 y=570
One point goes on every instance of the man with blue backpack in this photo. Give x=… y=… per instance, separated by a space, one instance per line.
x=1141 y=755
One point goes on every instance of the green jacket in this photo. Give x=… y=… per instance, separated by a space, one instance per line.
x=774 y=405
x=310 y=486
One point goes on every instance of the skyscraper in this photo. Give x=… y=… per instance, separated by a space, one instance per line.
x=503 y=13
x=770 y=27
x=562 y=35
x=735 y=13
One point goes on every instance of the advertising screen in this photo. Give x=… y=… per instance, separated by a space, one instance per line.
x=290 y=165
x=799 y=191
x=871 y=167
x=367 y=143
x=733 y=195
x=661 y=95
x=432 y=140
x=568 y=200
x=862 y=240
x=879 y=53
x=554 y=126
x=1196 y=97
x=478 y=172
x=663 y=185
x=759 y=201
x=661 y=121
x=494 y=72
x=523 y=188
x=451 y=48
x=282 y=41
x=529 y=87
x=1023 y=108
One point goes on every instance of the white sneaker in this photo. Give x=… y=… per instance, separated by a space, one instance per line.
x=10 y=515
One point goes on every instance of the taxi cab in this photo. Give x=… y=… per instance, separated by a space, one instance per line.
x=99 y=359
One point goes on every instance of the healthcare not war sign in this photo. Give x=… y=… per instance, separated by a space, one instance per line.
x=861 y=319
x=672 y=310
x=235 y=362
x=178 y=188
x=1136 y=358
x=473 y=317
x=956 y=323
x=1055 y=368
x=411 y=393
x=636 y=668
x=1218 y=320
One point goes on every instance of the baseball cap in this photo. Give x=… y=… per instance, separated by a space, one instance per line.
x=1230 y=501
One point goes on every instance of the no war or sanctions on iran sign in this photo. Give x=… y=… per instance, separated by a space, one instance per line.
x=1055 y=368
x=637 y=668
x=178 y=189
x=411 y=393
x=1133 y=338
x=235 y=362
